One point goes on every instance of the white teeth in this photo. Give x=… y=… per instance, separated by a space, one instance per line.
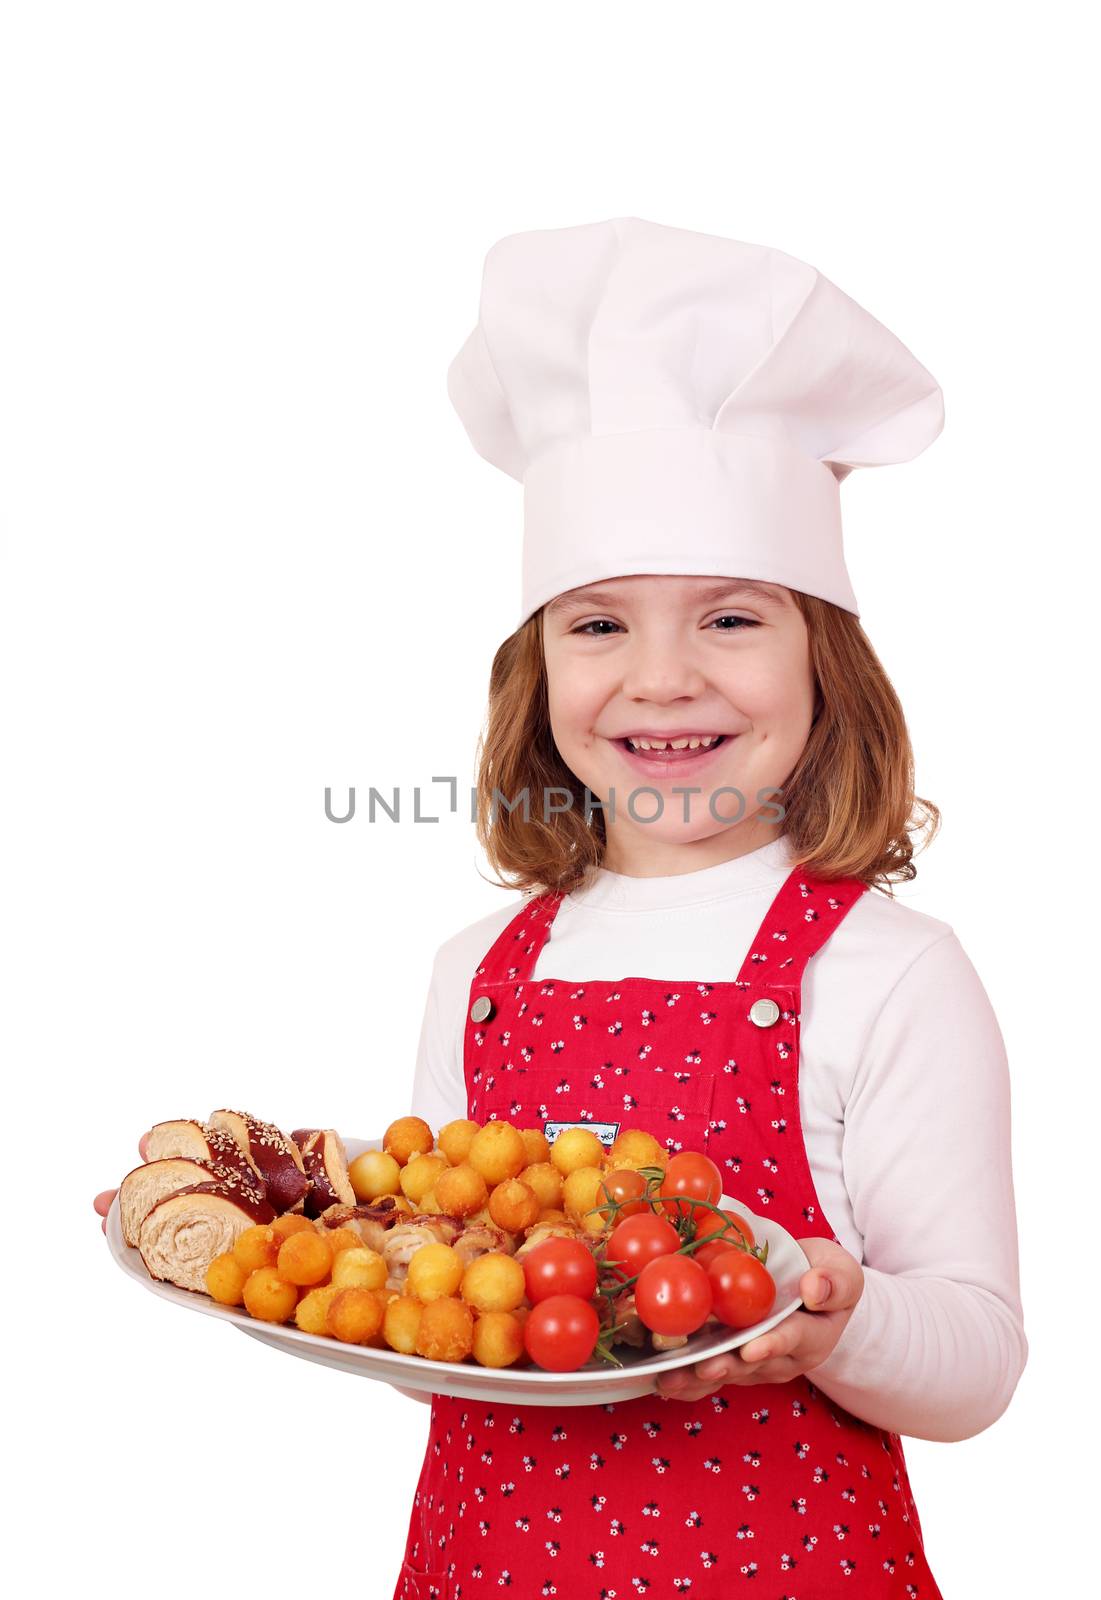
x=694 y=742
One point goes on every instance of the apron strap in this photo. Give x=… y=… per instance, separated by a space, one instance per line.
x=805 y=912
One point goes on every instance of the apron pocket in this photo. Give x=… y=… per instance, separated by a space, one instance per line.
x=676 y=1109
x=414 y=1585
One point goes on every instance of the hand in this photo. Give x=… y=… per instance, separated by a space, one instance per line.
x=102 y=1201
x=830 y=1289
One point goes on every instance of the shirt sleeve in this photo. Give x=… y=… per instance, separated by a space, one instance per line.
x=936 y=1343
x=439 y=1087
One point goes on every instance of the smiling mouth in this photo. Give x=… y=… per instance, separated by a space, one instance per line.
x=669 y=751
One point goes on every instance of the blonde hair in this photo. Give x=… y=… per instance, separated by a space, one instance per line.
x=849 y=805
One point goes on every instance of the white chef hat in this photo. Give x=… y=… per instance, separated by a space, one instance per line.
x=675 y=402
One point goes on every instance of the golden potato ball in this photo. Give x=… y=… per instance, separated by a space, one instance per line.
x=291 y=1222
x=580 y=1192
x=354 y=1315
x=377 y=1340
x=225 y=1280
x=360 y=1268
x=552 y=1214
x=312 y=1311
x=256 y=1247
x=536 y=1147
x=574 y=1148
x=498 y=1339
x=460 y=1191
x=305 y=1259
x=636 y=1148
x=268 y=1297
x=545 y=1181
x=400 y=1322
x=455 y=1138
x=446 y=1330
x=419 y=1174
x=493 y=1282
x=513 y=1206
x=374 y=1174
x=435 y=1271
x=406 y=1138
x=497 y=1152
x=343 y=1239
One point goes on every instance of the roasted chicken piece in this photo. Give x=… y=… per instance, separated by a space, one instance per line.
x=633 y=1330
x=405 y=1239
x=480 y=1239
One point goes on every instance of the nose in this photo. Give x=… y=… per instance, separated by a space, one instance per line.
x=659 y=670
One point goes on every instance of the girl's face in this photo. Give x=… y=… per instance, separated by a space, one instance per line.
x=669 y=658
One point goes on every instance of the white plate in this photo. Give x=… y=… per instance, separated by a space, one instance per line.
x=598 y=1384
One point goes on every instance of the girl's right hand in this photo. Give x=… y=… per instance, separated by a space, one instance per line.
x=102 y=1202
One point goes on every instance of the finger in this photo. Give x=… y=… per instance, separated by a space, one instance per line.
x=143 y=1146
x=716 y=1369
x=779 y=1341
x=103 y=1225
x=102 y=1201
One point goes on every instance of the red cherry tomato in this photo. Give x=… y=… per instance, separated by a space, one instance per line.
x=742 y=1287
x=559 y=1266
x=628 y=1187
x=637 y=1240
x=673 y=1295
x=560 y=1333
x=707 y=1252
x=729 y=1225
x=695 y=1177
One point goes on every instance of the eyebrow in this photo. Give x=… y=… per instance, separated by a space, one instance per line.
x=566 y=603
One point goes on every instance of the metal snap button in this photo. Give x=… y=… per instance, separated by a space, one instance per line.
x=764 y=1013
x=482 y=1009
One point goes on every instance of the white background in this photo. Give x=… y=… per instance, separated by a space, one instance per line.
x=250 y=553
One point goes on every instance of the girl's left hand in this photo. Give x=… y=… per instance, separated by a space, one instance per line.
x=801 y=1342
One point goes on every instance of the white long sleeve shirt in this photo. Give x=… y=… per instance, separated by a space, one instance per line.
x=905 y=1104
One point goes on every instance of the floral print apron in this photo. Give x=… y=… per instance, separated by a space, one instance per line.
x=768 y=1487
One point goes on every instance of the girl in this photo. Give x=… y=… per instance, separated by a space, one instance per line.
x=700 y=779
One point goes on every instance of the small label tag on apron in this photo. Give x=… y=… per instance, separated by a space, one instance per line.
x=606 y=1132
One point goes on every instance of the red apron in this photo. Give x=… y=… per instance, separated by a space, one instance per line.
x=651 y=1497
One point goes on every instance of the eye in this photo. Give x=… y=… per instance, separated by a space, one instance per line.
x=739 y=622
x=598 y=622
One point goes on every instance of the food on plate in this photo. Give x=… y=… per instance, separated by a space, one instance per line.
x=268 y=1297
x=326 y=1166
x=445 y=1331
x=305 y=1259
x=490 y=1244
x=406 y=1138
x=373 y=1174
x=276 y=1158
x=181 y=1234
x=492 y=1282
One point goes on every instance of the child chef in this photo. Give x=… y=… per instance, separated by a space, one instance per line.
x=706 y=945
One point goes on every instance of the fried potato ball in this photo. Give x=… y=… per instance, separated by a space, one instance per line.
x=291 y=1222
x=497 y=1152
x=498 y=1339
x=493 y=1282
x=400 y=1323
x=305 y=1259
x=455 y=1138
x=225 y=1280
x=406 y=1138
x=580 y=1192
x=513 y=1206
x=461 y=1191
x=635 y=1148
x=372 y=1174
x=435 y=1271
x=342 y=1239
x=430 y=1202
x=446 y=1330
x=576 y=1147
x=536 y=1148
x=354 y=1315
x=377 y=1340
x=545 y=1181
x=359 y=1268
x=268 y=1297
x=419 y=1174
x=552 y=1214
x=256 y=1247
x=311 y=1312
